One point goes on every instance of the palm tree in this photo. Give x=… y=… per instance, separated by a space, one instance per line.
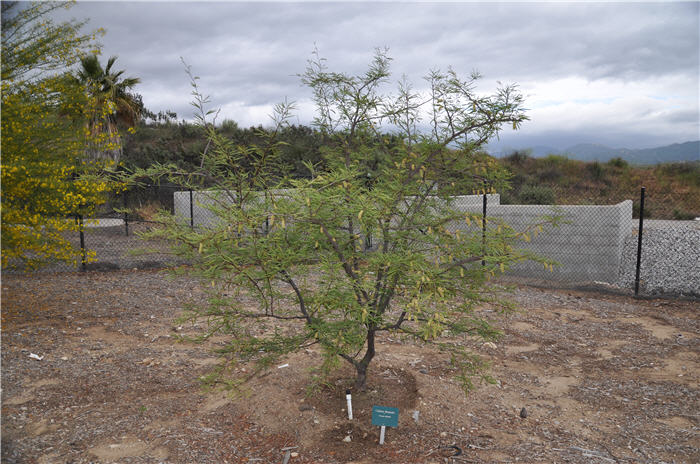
x=115 y=107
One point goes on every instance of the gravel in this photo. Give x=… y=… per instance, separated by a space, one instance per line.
x=670 y=258
x=603 y=378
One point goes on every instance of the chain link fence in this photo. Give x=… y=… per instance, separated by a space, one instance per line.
x=115 y=233
x=610 y=246
x=113 y=239
x=594 y=244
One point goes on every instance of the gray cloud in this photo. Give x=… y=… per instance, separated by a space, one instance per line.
x=247 y=54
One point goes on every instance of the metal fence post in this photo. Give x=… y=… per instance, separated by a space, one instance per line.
x=483 y=233
x=191 y=211
x=83 y=254
x=639 y=242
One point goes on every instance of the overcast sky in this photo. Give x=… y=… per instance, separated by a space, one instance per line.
x=620 y=74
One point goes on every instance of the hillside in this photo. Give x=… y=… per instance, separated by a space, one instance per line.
x=672 y=189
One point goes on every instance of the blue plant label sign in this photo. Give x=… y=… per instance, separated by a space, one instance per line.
x=382 y=415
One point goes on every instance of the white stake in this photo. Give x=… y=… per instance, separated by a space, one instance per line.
x=381 y=435
x=348 y=397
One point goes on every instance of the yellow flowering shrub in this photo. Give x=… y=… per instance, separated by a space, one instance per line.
x=46 y=181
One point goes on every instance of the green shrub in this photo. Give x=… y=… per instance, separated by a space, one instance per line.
x=549 y=174
x=518 y=157
x=537 y=195
x=686 y=172
x=555 y=160
x=509 y=198
x=229 y=125
x=682 y=215
x=618 y=163
x=596 y=170
x=356 y=296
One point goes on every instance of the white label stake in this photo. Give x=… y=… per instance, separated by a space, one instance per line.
x=384 y=417
x=348 y=397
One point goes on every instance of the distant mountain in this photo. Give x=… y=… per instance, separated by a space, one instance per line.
x=540 y=151
x=591 y=152
x=688 y=151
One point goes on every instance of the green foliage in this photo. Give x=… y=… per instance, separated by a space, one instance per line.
x=596 y=170
x=228 y=125
x=166 y=141
x=519 y=157
x=555 y=160
x=687 y=173
x=294 y=245
x=537 y=195
x=163 y=143
x=35 y=47
x=618 y=163
x=673 y=189
x=45 y=180
x=114 y=108
x=681 y=215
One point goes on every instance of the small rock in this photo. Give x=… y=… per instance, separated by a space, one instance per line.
x=294 y=455
x=490 y=345
x=347 y=439
x=423 y=371
x=523 y=413
x=305 y=407
x=443 y=434
x=316 y=421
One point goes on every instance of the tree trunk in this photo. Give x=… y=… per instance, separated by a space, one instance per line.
x=361 y=379
x=363 y=364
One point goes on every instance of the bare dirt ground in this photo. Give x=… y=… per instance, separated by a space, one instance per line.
x=602 y=378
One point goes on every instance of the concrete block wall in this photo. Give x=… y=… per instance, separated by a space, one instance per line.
x=202 y=216
x=464 y=201
x=587 y=243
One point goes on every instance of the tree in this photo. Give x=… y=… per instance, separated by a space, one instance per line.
x=115 y=107
x=299 y=248
x=45 y=180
